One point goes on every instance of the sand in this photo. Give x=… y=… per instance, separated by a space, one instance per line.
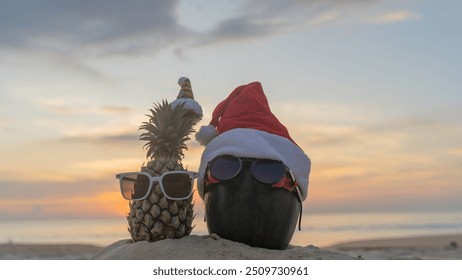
x=47 y=251
x=445 y=247
x=441 y=247
x=210 y=247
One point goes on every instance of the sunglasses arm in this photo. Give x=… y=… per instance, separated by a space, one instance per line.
x=127 y=179
x=301 y=209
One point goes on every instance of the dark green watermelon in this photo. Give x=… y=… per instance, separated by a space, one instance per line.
x=247 y=211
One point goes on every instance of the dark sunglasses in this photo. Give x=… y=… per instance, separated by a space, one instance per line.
x=175 y=185
x=266 y=171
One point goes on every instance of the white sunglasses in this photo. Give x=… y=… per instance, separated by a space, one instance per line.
x=175 y=185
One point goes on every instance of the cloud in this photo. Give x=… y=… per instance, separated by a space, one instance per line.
x=103 y=26
x=116 y=109
x=239 y=27
x=395 y=16
x=257 y=19
x=100 y=138
x=455 y=151
x=59 y=105
x=107 y=27
x=68 y=105
x=27 y=190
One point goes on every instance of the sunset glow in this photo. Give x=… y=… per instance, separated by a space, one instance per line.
x=370 y=92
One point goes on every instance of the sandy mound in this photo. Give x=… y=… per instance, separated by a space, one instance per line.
x=208 y=247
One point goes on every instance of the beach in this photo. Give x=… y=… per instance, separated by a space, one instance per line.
x=13 y=251
x=438 y=247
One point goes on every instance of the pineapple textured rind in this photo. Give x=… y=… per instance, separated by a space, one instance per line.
x=156 y=217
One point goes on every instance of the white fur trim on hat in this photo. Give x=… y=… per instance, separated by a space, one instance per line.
x=251 y=143
x=206 y=134
x=189 y=104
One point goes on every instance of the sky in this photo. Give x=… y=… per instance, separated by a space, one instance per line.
x=369 y=89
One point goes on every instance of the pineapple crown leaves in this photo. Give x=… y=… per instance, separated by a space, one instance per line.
x=167 y=131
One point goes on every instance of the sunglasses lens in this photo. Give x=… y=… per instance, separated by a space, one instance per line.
x=224 y=168
x=177 y=185
x=268 y=171
x=134 y=186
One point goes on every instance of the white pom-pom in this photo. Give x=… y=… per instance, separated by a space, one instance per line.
x=182 y=81
x=206 y=134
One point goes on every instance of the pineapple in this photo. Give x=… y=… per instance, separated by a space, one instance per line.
x=156 y=217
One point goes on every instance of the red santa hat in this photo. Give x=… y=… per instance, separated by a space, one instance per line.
x=186 y=97
x=244 y=126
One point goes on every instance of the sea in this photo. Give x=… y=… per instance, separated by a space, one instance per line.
x=320 y=230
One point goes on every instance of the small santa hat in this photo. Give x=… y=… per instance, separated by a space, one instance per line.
x=186 y=97
x=244 y=126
